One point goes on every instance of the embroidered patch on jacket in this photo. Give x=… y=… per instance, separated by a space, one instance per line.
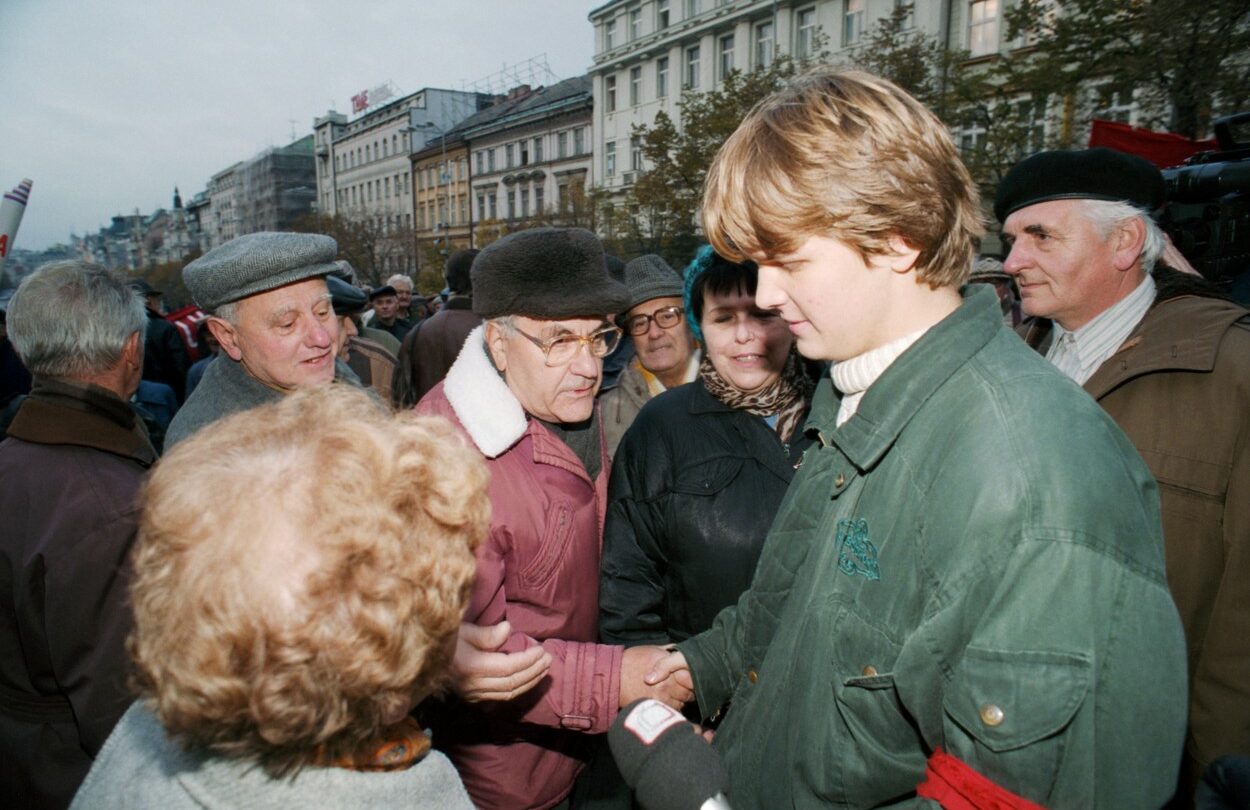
x=856 y=553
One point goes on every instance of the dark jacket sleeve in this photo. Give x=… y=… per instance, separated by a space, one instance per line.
x=631 y=582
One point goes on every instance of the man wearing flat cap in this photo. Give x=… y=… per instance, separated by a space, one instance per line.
x=271 y=312
x=522 y=390
x=371 y=361
x=1169 y=359
x=666 y=352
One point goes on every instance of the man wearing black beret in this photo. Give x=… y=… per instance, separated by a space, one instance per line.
x=270 y=310
x=522 y=390
x=1169 y=360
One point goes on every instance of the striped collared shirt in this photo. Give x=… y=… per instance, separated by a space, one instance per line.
x=1079 y=354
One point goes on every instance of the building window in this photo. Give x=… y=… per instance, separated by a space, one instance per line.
x=982 y=27
x=579 y=141
x=635 y=86
x=511 y=205
x=490 y=202
x=661 y=77
x=387 y=186
x=525 y=203
x=852 y=22
x=538 y=201
x=805 y=43
x=609 y=93
x=693 y=7
x=538 y=150
x=635 y=154
x=490 y=160
x=481 y=207
x=562 y=145
x=726 y=61
x=635 y=22
x=906 y=11
x=1113 y=102
x=609 y=34
x=661 y=15
x=692 y=68
x=481 y=163
x=764 y=44
x=524 y=150
x=609 y=159
x=508 y=156
x=368 y=155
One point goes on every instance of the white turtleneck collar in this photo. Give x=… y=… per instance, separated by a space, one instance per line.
x=853 y=376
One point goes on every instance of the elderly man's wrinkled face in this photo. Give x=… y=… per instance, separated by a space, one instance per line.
x=285 y=338
x=563 y=393
x=386 y=307
x=404 y=296
x=1065 y=269
x=661 y=349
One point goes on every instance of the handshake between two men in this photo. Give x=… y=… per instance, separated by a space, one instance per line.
x=481 y=671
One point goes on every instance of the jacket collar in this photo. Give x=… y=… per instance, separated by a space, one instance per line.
x=1181 y=331
x=62 y=412
x=485 y=406
x=903 y=388
x=458 y=302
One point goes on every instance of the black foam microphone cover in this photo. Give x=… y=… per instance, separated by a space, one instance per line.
x=664 y=759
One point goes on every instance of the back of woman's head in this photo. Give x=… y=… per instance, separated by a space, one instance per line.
x=300 y=575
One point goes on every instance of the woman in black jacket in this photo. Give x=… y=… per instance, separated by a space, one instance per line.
x=701 y=472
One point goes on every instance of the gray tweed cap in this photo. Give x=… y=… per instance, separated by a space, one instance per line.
x=256 y=263
x=649 y=277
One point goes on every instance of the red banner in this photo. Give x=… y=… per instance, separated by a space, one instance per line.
x=1163 y=149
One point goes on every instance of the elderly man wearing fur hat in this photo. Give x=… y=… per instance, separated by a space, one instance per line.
x=271 y=312
x=1169 y=360
x=523 y=392
x=667 y=354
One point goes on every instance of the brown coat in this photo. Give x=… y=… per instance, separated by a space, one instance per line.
x=69 y=475
x=1179 y=387
x=430 y=349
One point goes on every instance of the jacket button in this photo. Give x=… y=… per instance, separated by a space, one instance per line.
x=752 y=676
x=991 y=715
x=839 y=480
x=870 y=671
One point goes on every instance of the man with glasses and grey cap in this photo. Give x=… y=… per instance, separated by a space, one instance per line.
x=523 y=391
x=271 y=312
x=667 y=354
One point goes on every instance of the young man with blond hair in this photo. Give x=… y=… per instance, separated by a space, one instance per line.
x=962 y=597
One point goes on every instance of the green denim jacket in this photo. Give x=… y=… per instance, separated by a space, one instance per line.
x=973 y=562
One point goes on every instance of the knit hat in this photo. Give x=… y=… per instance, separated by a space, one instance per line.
x=256 y=263
x=702 y=261
x=346 y=299
x=456 y=271
x=1090 y=174
x=545 y=273
x=649 y=277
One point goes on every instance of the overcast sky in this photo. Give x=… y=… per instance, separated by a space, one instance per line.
x=108 y=104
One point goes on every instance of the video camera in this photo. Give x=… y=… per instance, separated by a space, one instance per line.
x=1207 y=213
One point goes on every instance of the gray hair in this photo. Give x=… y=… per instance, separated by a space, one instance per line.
x=506 y=324
x=228 y=312
x=400 y=278
x=1107 y=215
x=73 y=318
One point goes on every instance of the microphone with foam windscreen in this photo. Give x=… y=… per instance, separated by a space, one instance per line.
x=665 y=760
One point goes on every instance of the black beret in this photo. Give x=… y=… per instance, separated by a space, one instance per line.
x=346 y=299
x=1090 y=174
x=381 y=291
x=546 y=273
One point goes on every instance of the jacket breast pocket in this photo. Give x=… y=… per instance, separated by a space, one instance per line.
x=555 y=541
x=1009 y=714
x=708 y=477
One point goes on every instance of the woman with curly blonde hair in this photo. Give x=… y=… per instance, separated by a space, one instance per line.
x=300 y=575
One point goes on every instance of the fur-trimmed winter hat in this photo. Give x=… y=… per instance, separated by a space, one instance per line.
x=547 y=273
x=256 y=263
x=1087 y=174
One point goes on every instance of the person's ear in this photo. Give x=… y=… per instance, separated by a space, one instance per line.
x=227 y=336
x=902 y=256
x=497 y=345
x=1127 y=243
x=132 y=351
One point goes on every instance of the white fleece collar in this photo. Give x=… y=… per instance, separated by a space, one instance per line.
x=485 y=406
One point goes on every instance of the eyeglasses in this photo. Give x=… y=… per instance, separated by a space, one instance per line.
x=561 y=349
x=665 y=318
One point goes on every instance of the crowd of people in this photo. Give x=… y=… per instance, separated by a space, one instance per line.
x=894 y=524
